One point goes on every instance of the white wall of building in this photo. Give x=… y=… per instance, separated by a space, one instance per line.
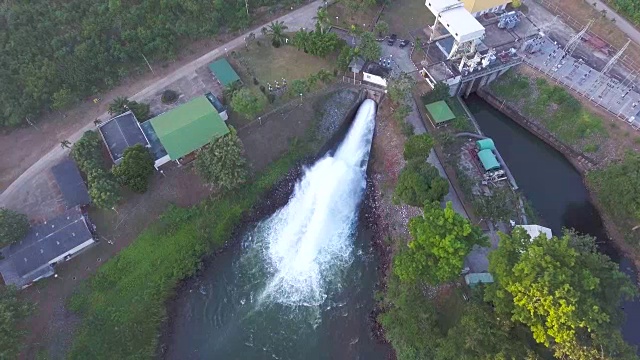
x=374 y=79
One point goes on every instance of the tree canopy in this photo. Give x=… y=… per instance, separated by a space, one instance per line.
x=53 y=52
x=316 y=42
x=440 y=240
x=136 y=168
x=87 y=152
x=247 y=103
x=369 y=48
x=121 y=105
x=13 y=226
x=103 y=190
x=418 y=147
x=563 y=289
x=222 y=162
x=12 y=312
x=420 y=183
x=277 y=32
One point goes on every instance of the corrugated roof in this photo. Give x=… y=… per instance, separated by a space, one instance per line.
x=488 y=159
x=440 y=111
x=29 y=258
x=484 y=144
x=72 y=187
x=223 y=71
x=188 y=127
x=121 y=132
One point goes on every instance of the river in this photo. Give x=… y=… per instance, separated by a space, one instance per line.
x=298 y=284
x=555 y=189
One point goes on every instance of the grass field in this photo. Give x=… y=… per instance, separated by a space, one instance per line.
x=406 y=16
x=269 y=64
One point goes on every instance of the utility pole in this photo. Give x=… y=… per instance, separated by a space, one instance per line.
x=31 y=123
x=149 y=65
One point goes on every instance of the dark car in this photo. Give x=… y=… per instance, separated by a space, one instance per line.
x=392 y=39
x=404 y=43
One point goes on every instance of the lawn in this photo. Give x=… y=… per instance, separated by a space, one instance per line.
x=362 y=18
x=407 y=16
x=267 y=63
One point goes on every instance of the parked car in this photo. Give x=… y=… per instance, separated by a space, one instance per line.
x=392 y=39
x=404 y=43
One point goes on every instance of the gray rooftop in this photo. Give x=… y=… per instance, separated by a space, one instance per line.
x=120 y=133
x=157 y=150
x=29 y=259
x=72 y=187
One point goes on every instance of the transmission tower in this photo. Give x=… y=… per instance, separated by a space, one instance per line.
x=575 y=40
x=606 y=68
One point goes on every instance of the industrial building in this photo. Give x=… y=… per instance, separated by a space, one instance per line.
x=466 y=52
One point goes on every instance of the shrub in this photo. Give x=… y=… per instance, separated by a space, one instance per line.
x=169 y=96
x=13 y=311
x=87 y=152
x=246 y=103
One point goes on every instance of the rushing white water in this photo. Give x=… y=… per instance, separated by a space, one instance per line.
x=308 y=243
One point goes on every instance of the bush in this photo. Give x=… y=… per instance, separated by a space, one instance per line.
x=255 y=81
x=87 y=152
x=418 y=147
x=13 y=311
x=169 y=97
x=13 y=226
x=135 y=169
x=420 y=183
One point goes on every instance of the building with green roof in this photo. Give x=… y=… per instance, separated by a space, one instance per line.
x=223 y=71
x=439 y=112
x=488 y=160
x=188 y=127
x=484 y=144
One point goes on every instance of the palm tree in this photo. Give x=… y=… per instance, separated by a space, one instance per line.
x=276 y=30
x=322 y=18
x=65 y=144
x=119 y=105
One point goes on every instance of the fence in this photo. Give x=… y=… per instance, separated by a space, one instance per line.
x=626 y=60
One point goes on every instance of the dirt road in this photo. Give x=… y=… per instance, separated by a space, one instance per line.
x=12 y=196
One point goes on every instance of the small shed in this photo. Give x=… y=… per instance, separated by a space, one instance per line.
x=188 y=127
x=73 y=189
x=485 y=144
x=223 y=71
x=488 y=160
x=475 y=279
x=439 y=112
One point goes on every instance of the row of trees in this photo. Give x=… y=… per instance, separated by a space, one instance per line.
x=316 y=42
x=52 y=53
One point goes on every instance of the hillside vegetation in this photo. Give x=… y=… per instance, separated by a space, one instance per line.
x=54 y=52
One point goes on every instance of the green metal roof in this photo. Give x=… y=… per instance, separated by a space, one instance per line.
x=478 y=278
x=188 y=127
x=440 y=111
x=488 y=160
x=485 y=144
x=223 y=72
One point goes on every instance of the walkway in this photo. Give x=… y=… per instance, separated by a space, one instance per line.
x=303 y=17
x=622 y=23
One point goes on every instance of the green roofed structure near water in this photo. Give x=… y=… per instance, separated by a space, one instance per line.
x=485 y=144
x=488 y=160
x=223 y=71
x=188 y=127
x=440 y=112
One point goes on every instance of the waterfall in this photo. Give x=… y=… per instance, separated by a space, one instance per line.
x=308 y=244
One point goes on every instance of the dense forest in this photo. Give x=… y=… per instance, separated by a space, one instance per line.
x=54 y=52
x=628 y=8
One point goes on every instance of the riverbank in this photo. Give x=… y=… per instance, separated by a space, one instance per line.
x=608 y=147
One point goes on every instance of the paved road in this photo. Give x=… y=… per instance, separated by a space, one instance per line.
x=302 y=17
x=623 y=24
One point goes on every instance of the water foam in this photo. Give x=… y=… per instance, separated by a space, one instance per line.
x=308 y=243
